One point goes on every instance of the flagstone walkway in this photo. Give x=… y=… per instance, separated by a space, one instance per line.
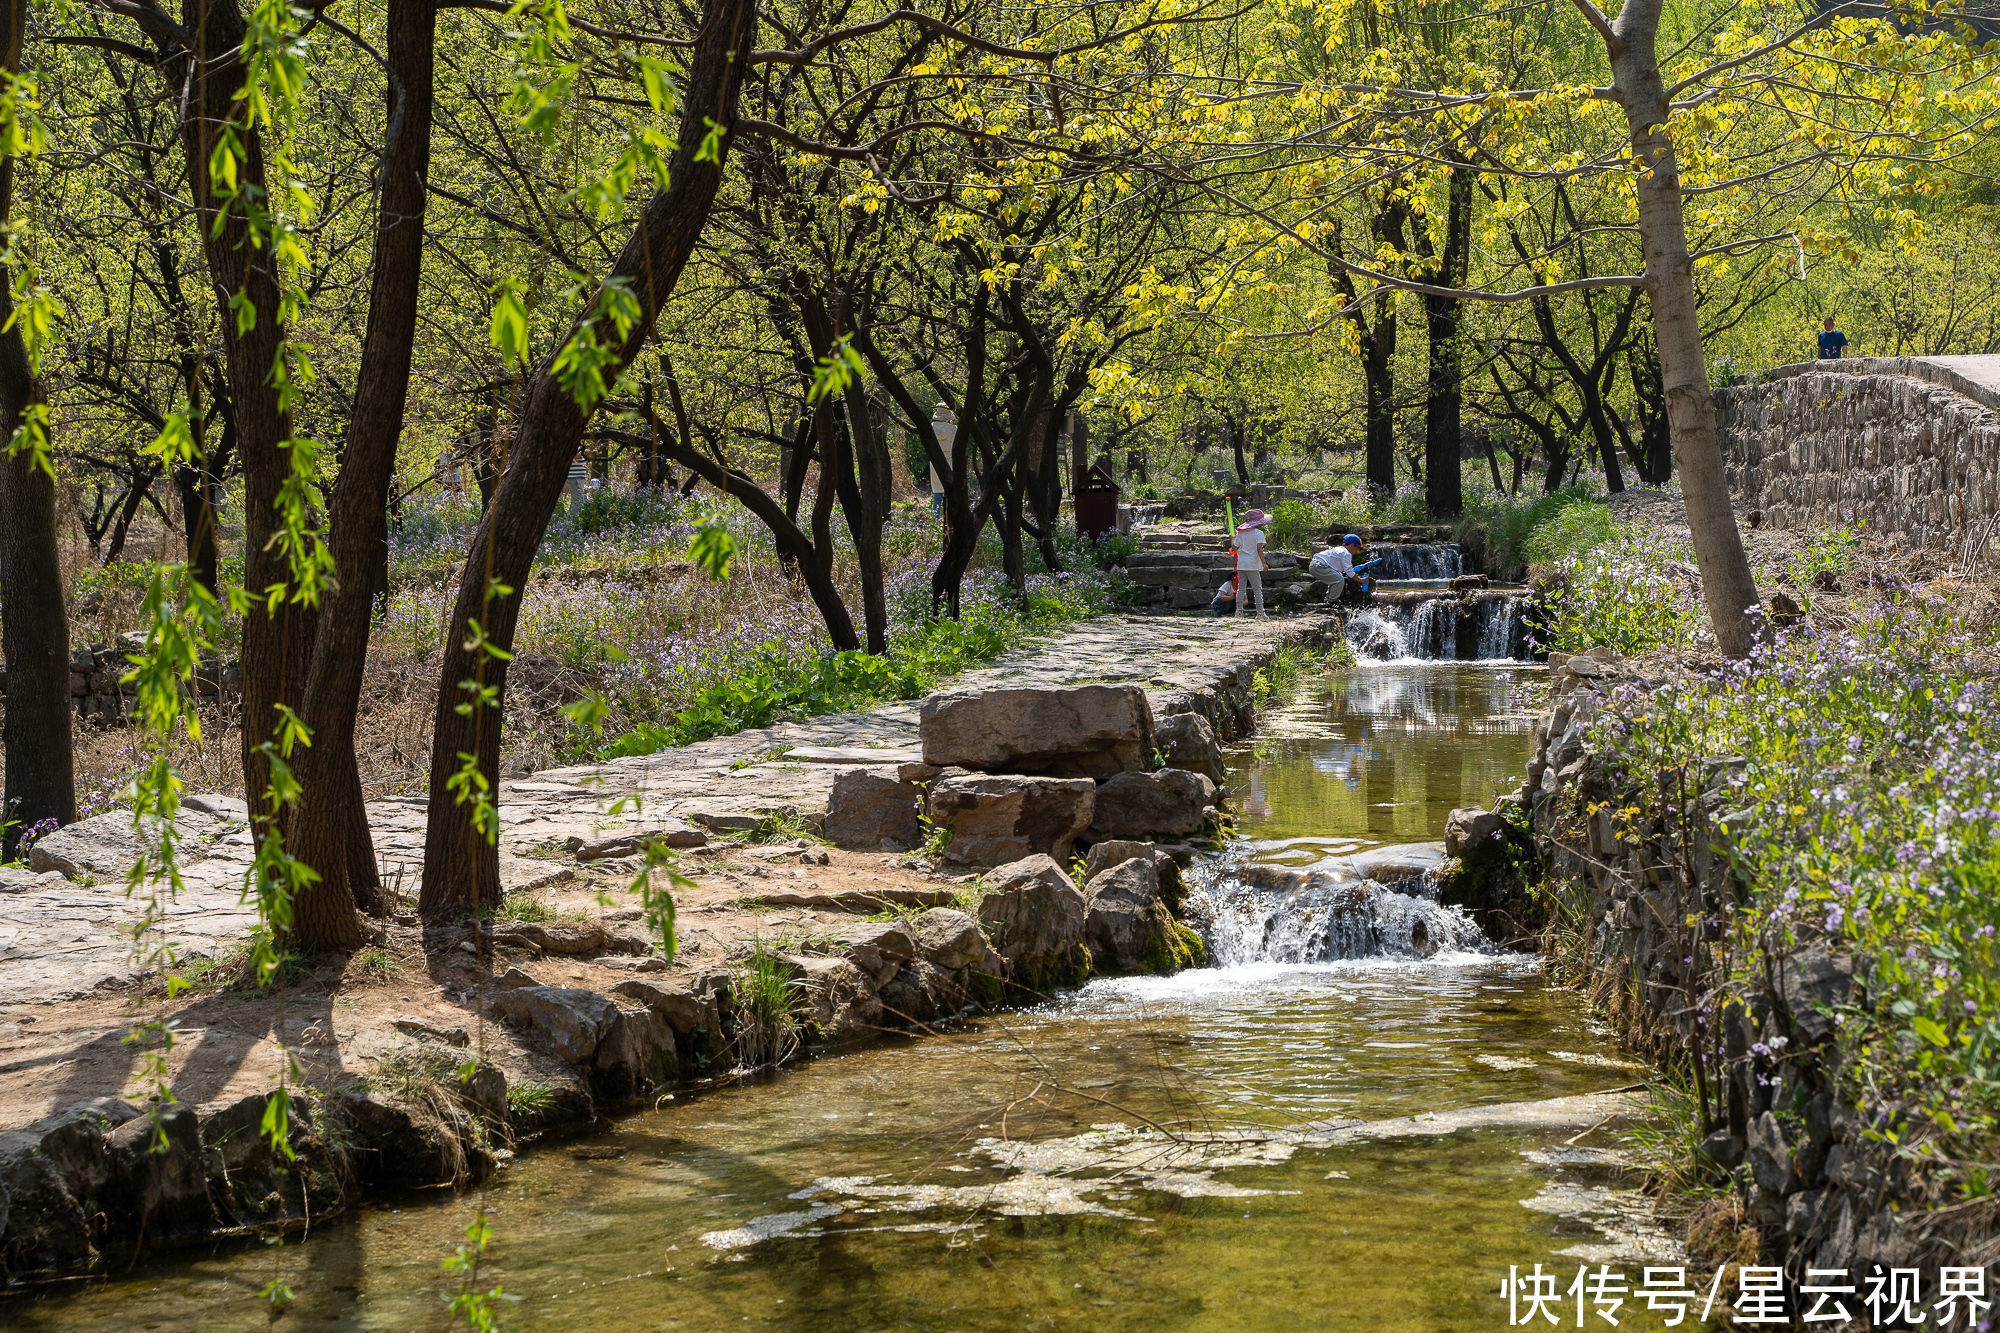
x=65 y=928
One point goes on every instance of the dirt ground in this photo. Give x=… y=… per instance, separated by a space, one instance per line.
x=1838 y=600
x=341 y=1019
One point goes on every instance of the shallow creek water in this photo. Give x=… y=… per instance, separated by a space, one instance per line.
x=1148 y=1153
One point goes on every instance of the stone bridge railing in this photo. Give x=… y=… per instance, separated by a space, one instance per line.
x=1909 y=446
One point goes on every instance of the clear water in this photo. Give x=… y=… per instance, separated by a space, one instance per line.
x=1381 y=754
x=968 y=1181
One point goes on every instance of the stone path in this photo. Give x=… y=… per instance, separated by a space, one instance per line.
x=64 y=931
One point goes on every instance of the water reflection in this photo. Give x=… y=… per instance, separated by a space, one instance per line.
x=1382 y=754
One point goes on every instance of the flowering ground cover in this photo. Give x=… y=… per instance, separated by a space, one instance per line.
x=618 y=607
x=1864 y=813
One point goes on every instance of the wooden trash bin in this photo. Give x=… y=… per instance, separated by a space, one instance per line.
x=1096 y=503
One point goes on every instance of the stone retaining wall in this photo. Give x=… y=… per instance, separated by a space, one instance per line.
x=1638 y=905
x=1910 y=447
x=99 y=692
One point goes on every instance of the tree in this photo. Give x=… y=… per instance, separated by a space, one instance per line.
x=1844 y=105
x=41 y=780
x=461 y=857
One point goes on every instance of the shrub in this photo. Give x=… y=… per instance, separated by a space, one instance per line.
x=1572 y=530
x=1513 y=527
x=1615 y=598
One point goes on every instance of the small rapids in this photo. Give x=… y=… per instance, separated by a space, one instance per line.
x=1324 y=913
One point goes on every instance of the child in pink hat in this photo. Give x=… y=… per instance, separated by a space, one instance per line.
x=1250 y=560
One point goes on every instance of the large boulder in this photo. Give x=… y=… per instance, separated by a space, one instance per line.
x=953 y=941
x=692 y=1011
x=1186 y=740
x=1129 y=927
x=1072 y=731
x=1171 y=802
x=1114 y=851
x=997 y=818
x=840 y=1000
x=870 y=809
x=1035 y=914
x=1472 y=834
x=621 y=1051
x=104 y=848
x=878 y=948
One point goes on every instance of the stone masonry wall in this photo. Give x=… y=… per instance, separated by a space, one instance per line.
x=1640 y=903
x=1909 y=447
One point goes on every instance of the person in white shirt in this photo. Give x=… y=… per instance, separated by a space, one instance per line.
x=1250 y=560
x=1224 y=601
x=1335 y=567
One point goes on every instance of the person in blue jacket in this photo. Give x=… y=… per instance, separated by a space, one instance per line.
x=1832 y=342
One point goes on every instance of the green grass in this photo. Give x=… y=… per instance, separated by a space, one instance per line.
x=1517 y=532
x=773 y=687
x=767 y=1028
x=1294 y=663
x=531 y=1098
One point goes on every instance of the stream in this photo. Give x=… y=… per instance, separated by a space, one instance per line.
x=1148 y=1153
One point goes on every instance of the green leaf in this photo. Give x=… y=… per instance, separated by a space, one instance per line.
x=712 y=549
x=1930 y=1030
x=509 y=329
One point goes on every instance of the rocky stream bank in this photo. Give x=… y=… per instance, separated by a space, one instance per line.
x=1632 y=896
x=845 y=878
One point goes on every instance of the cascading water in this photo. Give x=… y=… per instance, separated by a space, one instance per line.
x=1377 y=636
x=1433 y=631
x=1321 y=914
x=1504 y=633
x=1423 y=561
x=1483 y=627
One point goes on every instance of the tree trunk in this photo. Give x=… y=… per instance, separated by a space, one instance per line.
x=128 y=509
x=330 y=829
x=34 y=625
x=275 y=640
x=1378 y=373
x=865 y=494
x=197 y=490
x=1443 y=315
x=462 y=864
x=1728 y=589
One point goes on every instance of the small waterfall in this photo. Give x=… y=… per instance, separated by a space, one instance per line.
x=1503 y=629
x=1375 y=635
x=1433 y=632
x=1434 y=560
x=1323 y=914
x=1484 y=627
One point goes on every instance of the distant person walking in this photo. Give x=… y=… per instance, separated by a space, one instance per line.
x=1250 y=560
x=1832 y=342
